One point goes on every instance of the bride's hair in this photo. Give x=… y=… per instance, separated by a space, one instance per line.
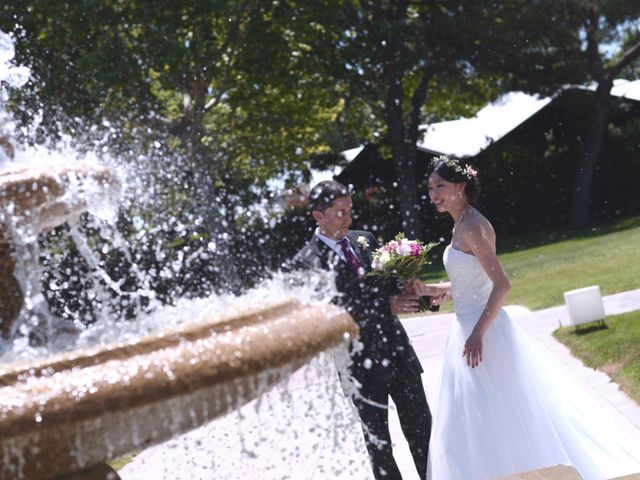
x=455 y=170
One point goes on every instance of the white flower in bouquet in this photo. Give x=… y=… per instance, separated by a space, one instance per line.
x=383 y=259
x=406 y=247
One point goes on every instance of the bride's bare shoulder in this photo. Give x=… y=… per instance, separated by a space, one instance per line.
x=475 y=219
x=477 y=225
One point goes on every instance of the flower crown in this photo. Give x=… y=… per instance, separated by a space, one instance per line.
x=455 y=164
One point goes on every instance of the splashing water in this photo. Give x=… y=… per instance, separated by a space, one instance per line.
x=12 y=76
x=309 y=408
x=304 y=428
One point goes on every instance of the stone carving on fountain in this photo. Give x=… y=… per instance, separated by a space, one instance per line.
x=33 y=200
x=11 y=298
x=10 y=292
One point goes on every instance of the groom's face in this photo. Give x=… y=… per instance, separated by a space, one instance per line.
x=334 y=222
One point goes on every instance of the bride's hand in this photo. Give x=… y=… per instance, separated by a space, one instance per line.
x=414 y=286
x=473 y=350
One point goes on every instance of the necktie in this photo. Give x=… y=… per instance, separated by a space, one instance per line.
x=350 y=257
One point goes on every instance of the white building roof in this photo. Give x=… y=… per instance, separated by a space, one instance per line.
x=467 y=137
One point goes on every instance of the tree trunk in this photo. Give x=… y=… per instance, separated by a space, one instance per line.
x=209 y=204
x=405 y=166
x=216 y=217
x=579 y=212
x=399 y=135
x=407 y=191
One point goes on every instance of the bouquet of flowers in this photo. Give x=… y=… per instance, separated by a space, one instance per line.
x=402 y=259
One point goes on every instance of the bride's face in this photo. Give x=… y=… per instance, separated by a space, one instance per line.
x=444 y=194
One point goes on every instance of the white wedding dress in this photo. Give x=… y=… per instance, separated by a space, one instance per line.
x=516 y=411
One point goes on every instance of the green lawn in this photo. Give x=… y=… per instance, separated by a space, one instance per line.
x=542 y=266
x=613 y=349
x=118 y=463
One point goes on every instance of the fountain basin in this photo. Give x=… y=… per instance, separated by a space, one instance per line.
x=79 y=409
x=49 y=196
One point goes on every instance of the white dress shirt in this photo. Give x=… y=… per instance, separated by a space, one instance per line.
x=334 y=245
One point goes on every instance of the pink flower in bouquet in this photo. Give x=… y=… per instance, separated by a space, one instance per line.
x=404 y=248
x=392 y=246
x=416 y=250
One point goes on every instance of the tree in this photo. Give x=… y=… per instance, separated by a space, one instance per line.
x=426 y=48
x=403 y=62
x=602 y=23
x=572 y=41
x=216 y=83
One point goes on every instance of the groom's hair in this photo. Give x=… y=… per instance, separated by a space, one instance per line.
x=324 y=193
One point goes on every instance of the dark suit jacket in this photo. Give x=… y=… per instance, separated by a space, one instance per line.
x=384 y=340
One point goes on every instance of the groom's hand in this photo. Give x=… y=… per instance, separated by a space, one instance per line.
x=404 y=303
x=413 y=285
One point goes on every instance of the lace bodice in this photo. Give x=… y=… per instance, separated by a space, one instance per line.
x=470 y=285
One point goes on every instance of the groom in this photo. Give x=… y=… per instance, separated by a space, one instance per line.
x=384 y=364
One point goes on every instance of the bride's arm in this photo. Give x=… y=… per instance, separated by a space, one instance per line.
x=431 y=289
x=480 y=242
x=436 y=289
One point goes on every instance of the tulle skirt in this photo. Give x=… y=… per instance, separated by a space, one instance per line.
x=518 y=411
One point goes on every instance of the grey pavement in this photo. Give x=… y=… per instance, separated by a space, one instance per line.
x=429 y=332
x=308 y=431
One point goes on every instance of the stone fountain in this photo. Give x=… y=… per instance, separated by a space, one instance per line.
x=33 y=200
x=65 y=415
x=73 y=411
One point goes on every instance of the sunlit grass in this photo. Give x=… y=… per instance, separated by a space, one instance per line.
x=542 y=266
x=118 y=463
x=612 y=349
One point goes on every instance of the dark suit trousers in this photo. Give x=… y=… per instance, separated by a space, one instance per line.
x=407 y=393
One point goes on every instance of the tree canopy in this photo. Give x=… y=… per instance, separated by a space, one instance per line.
x=242 y=91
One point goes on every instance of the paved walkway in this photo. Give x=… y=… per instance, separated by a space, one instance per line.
x=289 y=435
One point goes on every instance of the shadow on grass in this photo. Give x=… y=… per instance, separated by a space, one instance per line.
x=590 y=329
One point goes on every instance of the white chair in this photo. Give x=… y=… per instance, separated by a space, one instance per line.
x=585 y=305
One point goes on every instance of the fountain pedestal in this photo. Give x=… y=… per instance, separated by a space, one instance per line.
x=11 y=298
x=66 y=415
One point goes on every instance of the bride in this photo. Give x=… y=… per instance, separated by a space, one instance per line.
x=503 y=408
